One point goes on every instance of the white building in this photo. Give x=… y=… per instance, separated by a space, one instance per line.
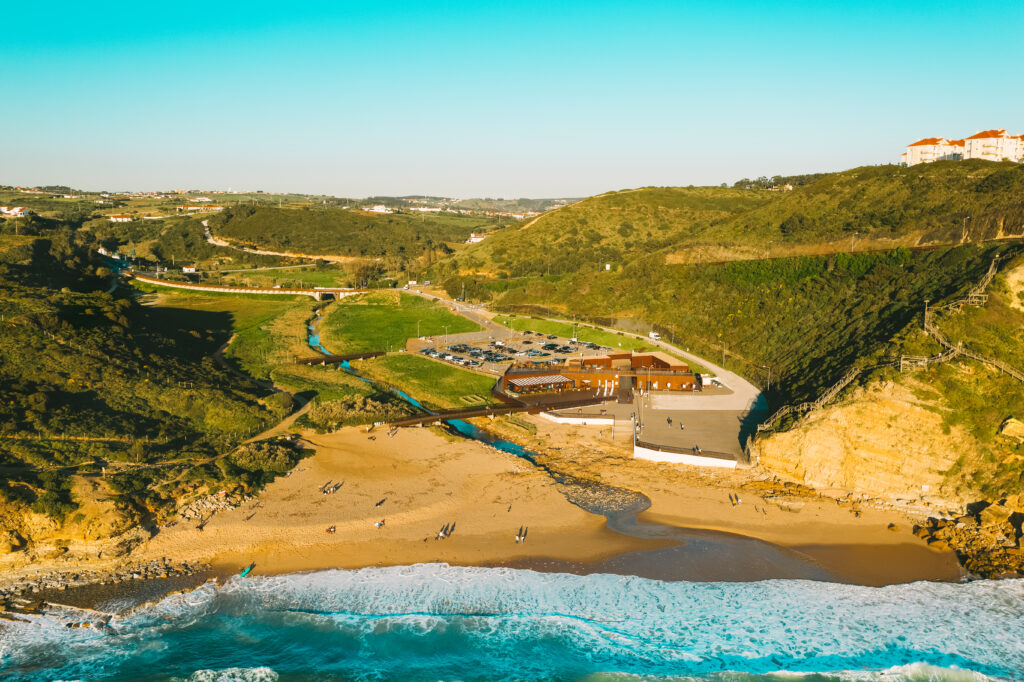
x=989 y=145
x=933 y=149
x=15 y=212
x=189 y=269
x=379 y=208
x=475 y=238
x=993 y=145
x=121 y=218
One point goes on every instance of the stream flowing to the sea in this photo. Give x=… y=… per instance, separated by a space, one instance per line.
x=698 y=552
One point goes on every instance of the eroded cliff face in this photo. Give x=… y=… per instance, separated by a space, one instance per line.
x=96 y=529
x=881 y=442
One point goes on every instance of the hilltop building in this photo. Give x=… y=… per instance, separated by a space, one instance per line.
x=14 y=212
x=121 y=218
x=994 y=145
x=990 y=145
x=475 y=238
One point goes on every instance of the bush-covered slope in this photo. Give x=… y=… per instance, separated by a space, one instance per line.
x=613 y=228
x=808 y=318
x=333 y=231
x=873 y=207
x=939 y=434
x=87 y=376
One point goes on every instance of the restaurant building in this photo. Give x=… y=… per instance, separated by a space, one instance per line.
x=609 y=375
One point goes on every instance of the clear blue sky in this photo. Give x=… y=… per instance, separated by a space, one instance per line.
x=463 y=99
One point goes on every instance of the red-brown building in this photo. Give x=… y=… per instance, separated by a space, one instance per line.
x=608 y=374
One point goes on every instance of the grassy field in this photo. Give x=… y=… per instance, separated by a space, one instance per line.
x=433 y=383
x=329 y=383
x=386 y=320
x=268 y=330
x=311 y=276
x=585 y=333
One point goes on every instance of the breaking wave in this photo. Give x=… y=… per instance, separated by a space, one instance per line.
x=439 y=622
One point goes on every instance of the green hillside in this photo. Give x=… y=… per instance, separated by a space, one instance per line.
x=971 y=394
x=90 y=379
x=613 y=228
x=807 y=318
x=333 y=231
x=868 y=208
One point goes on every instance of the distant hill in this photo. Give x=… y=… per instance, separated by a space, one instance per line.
x=613 y=227
x=873 y=207
x=333 y=231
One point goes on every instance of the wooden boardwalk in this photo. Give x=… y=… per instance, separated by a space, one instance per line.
x=491 y=411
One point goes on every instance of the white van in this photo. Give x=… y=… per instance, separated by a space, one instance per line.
x=655 y=335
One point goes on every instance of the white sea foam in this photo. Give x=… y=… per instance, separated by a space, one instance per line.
x=234 y=675
x=429 y=616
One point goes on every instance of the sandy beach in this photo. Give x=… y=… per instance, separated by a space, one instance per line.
x=418 y=481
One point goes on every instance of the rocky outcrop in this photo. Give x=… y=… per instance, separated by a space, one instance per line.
x=882 y=443
x=1012 y=428
x=11 y=541
x=987 y=539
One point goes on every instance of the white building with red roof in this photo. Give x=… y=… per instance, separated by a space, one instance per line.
x=933 y=149
x=993 y=145
x=990 y=145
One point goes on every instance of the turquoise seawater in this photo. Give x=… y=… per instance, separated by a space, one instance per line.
x=439 y=622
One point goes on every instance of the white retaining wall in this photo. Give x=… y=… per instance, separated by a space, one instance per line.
x=678 y=458
x=582 y=421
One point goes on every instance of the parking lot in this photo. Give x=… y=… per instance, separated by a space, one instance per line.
x=495 y=355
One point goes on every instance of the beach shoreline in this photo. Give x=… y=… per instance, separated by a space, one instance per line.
x=700 y=525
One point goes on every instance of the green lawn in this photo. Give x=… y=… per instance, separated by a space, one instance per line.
x=328 y=382
x=269 y=330
x=293 y=277
x=432 y=383
x=585 y=333
x=385 y=320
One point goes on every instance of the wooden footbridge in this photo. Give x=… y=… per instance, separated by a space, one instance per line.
x=491 y=411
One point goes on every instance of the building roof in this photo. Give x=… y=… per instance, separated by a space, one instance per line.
x=666 y=358
x=955 y=143
x=984 y=134
x=927 y=141
x=536 y=380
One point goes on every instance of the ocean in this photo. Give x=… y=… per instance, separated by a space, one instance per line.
x=440 y=622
